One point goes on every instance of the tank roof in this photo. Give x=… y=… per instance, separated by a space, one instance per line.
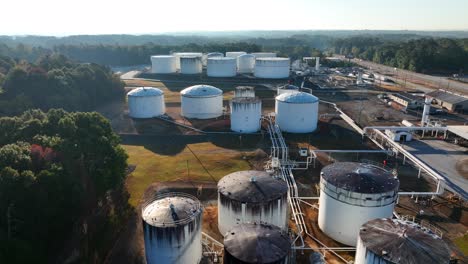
x=201 y=90
x=215 y=53
x=273 y=59
x=252 y=186
x=403 y=242
x=257 y=243
x=145 y=91
x=247 y=55
x=171 y=209
x=222 y=58
x=245 y=88
x=162 y=56
x=360 y=177
x=245 y=100
x=297 y=98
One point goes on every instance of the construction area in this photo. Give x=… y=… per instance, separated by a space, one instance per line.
x=318 y=154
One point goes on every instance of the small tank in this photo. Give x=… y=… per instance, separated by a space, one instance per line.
x=256 y=243
x=172 y=229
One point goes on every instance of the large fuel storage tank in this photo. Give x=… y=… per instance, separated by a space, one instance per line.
x=258 y=243
x=211 y=55
x=246 y=113
x=235 y=54
x=272 y=68
x=264 y=54
x=288 y=88
x=251 y=196
x=389 y=241
x=246 y=63
x=191 y=65
x=244 y=91
x=201 y=102
x=178 y=55
x=221 y=67
x=145 y=102
x=163 y=64
x=351 y=194
x=297 y=112
x=172 y=229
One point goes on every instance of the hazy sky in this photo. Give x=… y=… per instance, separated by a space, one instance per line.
x=66 y=17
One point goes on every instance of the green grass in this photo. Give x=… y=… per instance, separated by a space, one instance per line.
x=462 y=244
x=152 y=167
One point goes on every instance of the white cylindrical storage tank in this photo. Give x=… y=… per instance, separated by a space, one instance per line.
x=388 y=241
x=264 y=54
x=211 y=55
x=190 y=65
x=297 y=112
x=256 y=243
x=235 y=54
x=351 y=194
x=251 y=196
x=244 y=91
x=221 y=67
x=185 y=54
x=163 y=64
x=272 y=68
x=172 y=229
x=145 y=102
x=246 y=113
x=288 y=88
x=246 y=63
x=201 y=102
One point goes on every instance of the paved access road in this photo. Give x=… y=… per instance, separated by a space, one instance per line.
x=433 y=81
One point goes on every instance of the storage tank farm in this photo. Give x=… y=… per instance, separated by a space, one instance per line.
x=296 y=112
x=251 y=196
x=172 y=229
x=256 y=243
x=191 y=65
x=163 y=64
x=246 y=63
x=386 y=240
x=288 y=88
x=246 y=113
x=244 y=91
x=145 y=102
x=351 y=194
x=201 y=102
x=221 y=67
x=272 y=68
x=178 y=55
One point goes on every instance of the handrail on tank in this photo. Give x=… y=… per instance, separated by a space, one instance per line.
x=198 y=205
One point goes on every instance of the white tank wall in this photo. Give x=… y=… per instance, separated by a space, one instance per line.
x=163 y=64
x=146 y=106
x=233 y=213
x=264 y=54
x=244 y=93
x=190 y=65
x=221 y=67
x=202 y=107
x=246 y=63
x=296 y=117
x=364 y=256
x=272 y=68
x=282 y=91
x=235 y=54
x=342 y=212
x=245 y=117
x=181 y=54
x=181 y=244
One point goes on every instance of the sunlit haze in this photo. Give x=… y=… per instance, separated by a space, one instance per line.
x=59 y=17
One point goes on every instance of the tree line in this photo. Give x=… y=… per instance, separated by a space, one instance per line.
x=56 y=169
x=426 y=55
x=54 y=81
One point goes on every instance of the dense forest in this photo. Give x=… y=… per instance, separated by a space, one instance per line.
x=425 y=55
x=57 y=169
x=54 y=81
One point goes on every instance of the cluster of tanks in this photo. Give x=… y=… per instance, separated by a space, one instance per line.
x=355 y=208
x=261 y=64
x=296 y=112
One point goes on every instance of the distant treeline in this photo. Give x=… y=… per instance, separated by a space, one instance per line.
x=425 y=55
x=55 y=82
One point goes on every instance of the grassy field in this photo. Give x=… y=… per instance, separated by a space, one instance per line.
x=184 y=166
x=462 y=244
